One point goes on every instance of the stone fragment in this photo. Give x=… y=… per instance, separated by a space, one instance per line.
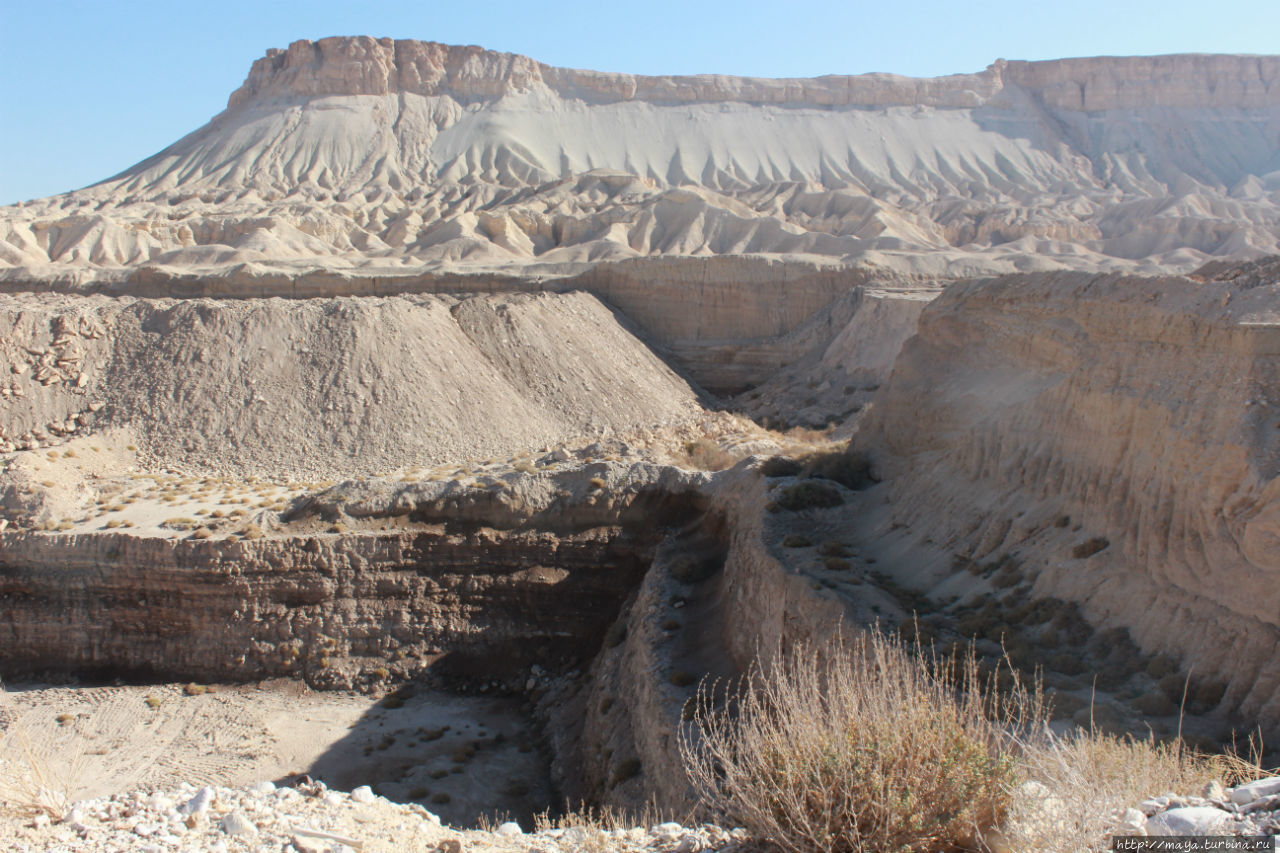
x=511 y=829
x=1188 y=820
x=197 y=804
x=1247 y=793
x=235 y=823
x=363 y=794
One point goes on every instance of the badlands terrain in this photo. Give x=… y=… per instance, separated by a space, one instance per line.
x=432 y=421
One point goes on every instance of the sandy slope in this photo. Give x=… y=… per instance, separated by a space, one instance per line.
x=393 y=156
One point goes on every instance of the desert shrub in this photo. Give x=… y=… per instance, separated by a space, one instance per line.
x=836 y=564
x=626 y=770
x=693 y=568
x=597 y=482
x=796 y=540
x=809 y=494
x=861 y=746
x=1155 y=705
x=832 y=548
x=616 y=634
x=1089 y=548
x=781 y=466
x=707 y=455
x=1160 y=666
x=680 y=678
x=848 y=467
x=1067 y=664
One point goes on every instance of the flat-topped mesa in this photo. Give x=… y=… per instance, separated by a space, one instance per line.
x=361 y=65
x=385 y=160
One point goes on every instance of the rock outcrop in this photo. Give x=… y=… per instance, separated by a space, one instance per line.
x=383 y=157
x=480 y=584
x=1119 y=438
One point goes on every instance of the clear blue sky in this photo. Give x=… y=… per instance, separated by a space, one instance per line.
x=92 y=87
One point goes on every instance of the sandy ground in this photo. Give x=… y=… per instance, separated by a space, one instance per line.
x=461 y=757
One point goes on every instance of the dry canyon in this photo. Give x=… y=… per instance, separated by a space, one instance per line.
x=435 y=420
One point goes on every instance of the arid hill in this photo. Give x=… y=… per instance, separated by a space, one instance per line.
x=392 y=158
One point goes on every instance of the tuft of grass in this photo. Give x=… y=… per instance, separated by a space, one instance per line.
x=707 y=455
x=796 y=540
x=597 y=482
x=1080 y=785
x=40 y=771
x=858 y=746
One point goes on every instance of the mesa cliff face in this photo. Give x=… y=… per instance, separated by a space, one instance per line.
x=1120 y=439
x=387 y=159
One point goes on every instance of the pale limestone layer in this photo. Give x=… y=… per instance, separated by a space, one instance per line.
x=1032 y=414
x=384 y=158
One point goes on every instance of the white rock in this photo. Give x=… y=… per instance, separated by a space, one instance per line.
x=198 y=803
x=1153 y=805
x=235 y=823
x=264 y=788
x=510 y=828
x=160 y=803
x=670 y=830
x=1245 y=794
x=363 y=794
x=333 y=798
x=1191 y=820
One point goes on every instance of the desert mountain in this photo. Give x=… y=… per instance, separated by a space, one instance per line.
x=384 y=157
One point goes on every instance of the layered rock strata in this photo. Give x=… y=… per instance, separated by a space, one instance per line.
x=386 y=157
x=478 y=584
x=1119 y=438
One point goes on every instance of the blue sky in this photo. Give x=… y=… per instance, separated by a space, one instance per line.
x=92 y=87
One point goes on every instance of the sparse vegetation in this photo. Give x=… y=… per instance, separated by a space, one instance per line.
x=1089 y=548
x=707 y=455
x=860 y=746
x=809 y=494
x=626 y=770
x=796 y=540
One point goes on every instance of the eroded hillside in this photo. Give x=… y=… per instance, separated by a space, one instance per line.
x=391 y=158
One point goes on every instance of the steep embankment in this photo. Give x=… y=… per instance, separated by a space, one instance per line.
x=383 y=157
x=433 y=577
x=329 y=387
x=1119 y=438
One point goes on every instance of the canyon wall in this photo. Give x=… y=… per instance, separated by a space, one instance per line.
x=479 y=584
x=1119 y=438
